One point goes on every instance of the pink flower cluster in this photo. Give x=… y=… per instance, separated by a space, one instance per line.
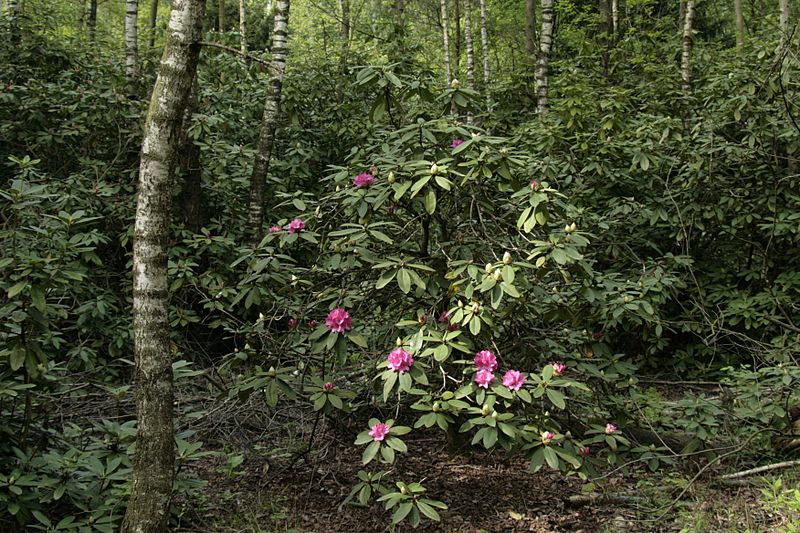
x=400 y=360
x=514 y=380
x=379 y=431
x=327 y=387
x=611 y=428
x=456 y=143
x=558 y=368
x=547 y=437
x=339 y=320
x=486 y=363
x=363 y=180
x=296 y=225
x=275 y=229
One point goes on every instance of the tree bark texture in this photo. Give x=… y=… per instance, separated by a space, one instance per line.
x=615 y=19
x=92 y=20
x=457 y=37
x=485 y=46
x=446 y=40
x=545 y=44
x=784 y=21
x=737 y=8
x=131 y=40
x=686 y=49
x=154 y=460
x=604 y=9
x=468 y=44
x=152 y=23
x=269 y=123
x=242 y=28
x=221 y=14
x=530 y=29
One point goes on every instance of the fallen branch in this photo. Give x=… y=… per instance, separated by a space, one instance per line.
x=766 y=468
x=577 y=500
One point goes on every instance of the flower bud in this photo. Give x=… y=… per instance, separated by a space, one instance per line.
x=403 y=489
x=503 y=152
x=494 y=415
x=455 y=84
x=436 y=407
x=261 y=317
x=391 y=178
x=572 y=227
x=434 y=169
x=476 y=307
x=507 y=258
x=498 y=275
x=485 y=410
x=328 y=387
x=461 y=304
x=398 y=342
x=338 y=188
x=272 y=372
x=566 y=229
x=489 y=268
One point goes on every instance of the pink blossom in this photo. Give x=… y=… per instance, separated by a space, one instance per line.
x=456 y=143
x=275 y=229
x=547 y=437
x=400 y=360
x=363 y=180
x=296 y=225
x=484 y=378
x=327 y=387
x=584 y=451
x=558 y=368
x=379 y=431
x=486 y=360
x=339 y=320
x=444 y=316
x=292 y=323
x=452 y=326
x=534 y=185
x=514 y=380
x=611 y=428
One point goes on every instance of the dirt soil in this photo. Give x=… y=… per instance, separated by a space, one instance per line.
x=484 y=491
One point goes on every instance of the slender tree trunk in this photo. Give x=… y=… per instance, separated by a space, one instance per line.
x=530 y=29
x=615 y=19
x=785 y=6
x=344 y=33
x=446 y=40
x=545 y=44
x=737 y=7
x=681 y=14
x=221 y=15
x=152 y=23
x=468 y=44
x=131 y=40
x=242 y=29
x=189 y=160
x=269 y=123
x=485 y=46
x=686 y=52
x=154 y=460
x=457 y=47
x=604 y=9
x=92 y=20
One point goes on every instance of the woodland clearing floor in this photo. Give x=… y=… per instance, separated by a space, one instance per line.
x=484 y=492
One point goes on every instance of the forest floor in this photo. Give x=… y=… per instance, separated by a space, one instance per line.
x=279 y=487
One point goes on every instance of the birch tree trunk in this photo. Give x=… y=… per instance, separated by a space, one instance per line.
x=545 y=44
x=530 y=29
x=131 y=40
x=737 y=7
x=268 y=123
x=446 y=39
x=468 y=44
x=152 y=23
x=686 y=52
x=154 y=460
x=784 y=21
x=615 y=19
x=485 y=46
x=457 y=44
x=242 y=32
x=604 y=9
x=221 y=15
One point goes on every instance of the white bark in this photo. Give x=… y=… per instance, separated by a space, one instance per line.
x=131 y=39
x=784 y=21
x=154 y=460
x=686 y=52
x=485 y=46
x=242 y=32
x=269 y=123
x=468 y=44
x=545 y=44
x=615 y=18
x=446 y=39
